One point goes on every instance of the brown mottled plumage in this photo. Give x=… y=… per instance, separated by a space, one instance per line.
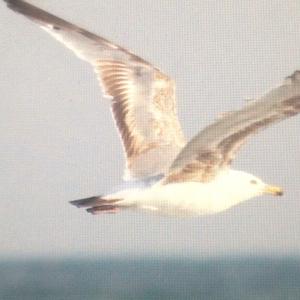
x=142 y=97
x=215 y=147
x=143 y=104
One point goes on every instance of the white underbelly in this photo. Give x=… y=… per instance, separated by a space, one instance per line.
x=177 y=199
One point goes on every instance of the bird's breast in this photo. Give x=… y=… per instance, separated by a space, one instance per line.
x=178 y=198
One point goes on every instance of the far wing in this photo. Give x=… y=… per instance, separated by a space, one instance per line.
x=214 y=148
x=142 y=98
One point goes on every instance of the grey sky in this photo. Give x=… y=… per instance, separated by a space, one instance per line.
x=58 y=141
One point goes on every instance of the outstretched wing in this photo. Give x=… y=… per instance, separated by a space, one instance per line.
x=142 y=98
x=214 y=148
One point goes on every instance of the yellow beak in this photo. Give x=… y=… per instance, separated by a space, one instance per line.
x=273 y=190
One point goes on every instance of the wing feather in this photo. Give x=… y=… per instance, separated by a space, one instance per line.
x=216 y=146
x=142 y=98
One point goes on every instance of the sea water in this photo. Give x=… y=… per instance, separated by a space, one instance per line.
x=141 y=279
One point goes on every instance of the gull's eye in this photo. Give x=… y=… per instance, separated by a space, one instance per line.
x=253 y=181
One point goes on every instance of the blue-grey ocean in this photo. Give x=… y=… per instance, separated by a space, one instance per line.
x=114 y=279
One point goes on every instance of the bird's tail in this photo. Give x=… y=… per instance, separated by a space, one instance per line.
x=98 y=204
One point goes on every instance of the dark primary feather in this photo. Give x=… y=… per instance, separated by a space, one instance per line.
x=87 y=45
x=142 y=97
x=147 y=118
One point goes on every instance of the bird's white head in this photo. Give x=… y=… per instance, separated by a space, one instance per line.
x=245 y=186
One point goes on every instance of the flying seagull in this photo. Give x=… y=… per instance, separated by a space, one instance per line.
x=164 y=173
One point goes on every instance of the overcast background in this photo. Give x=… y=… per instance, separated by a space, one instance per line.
x=58 y=141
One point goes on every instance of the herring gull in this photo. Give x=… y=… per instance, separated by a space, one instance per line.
x=164 y=173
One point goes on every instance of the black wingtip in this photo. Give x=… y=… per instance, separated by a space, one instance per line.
x=38 y=15
x=13 y=3
x=20 y=6
x=295 y=76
